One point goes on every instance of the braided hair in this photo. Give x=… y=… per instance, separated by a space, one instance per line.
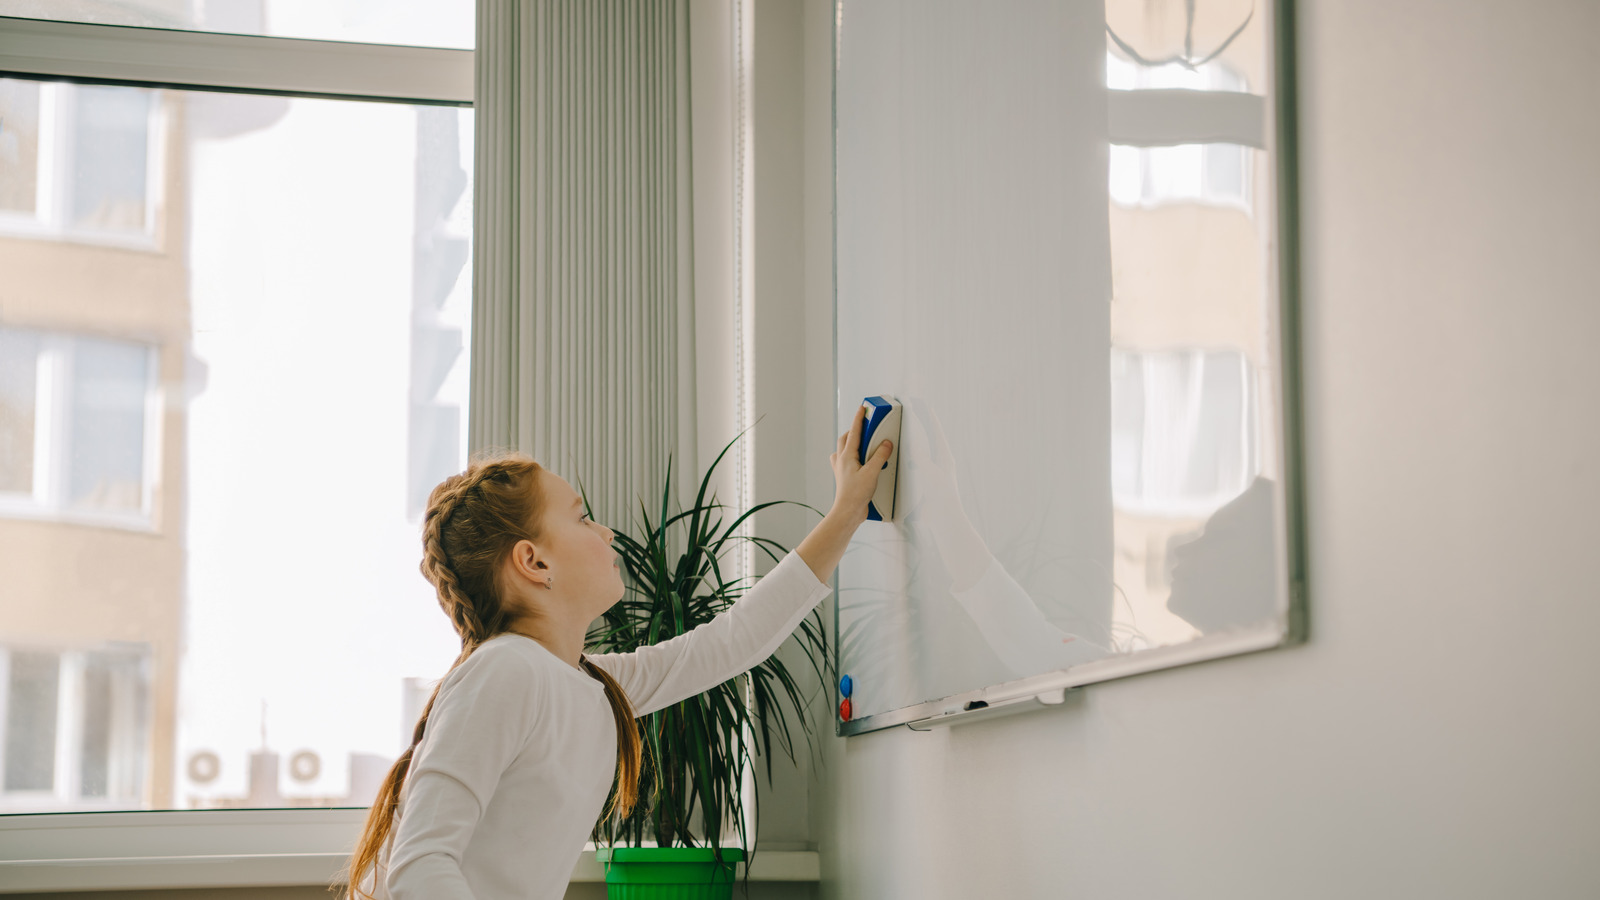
x=473 y=521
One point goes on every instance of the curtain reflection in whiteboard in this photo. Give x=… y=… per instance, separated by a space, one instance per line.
x=1183 y=436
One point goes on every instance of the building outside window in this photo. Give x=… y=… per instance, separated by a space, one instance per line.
x=80 y=162
x=233 y=360
x=78 y=420
x=76 y=727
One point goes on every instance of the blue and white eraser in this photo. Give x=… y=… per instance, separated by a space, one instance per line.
x=882 y=423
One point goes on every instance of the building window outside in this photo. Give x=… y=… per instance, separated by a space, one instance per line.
x=1213 y=174
x=76 y=726
x=80 y=162
x=78 y=420
x=261 y=398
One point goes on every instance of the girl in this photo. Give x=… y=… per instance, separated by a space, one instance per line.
x=511 y=760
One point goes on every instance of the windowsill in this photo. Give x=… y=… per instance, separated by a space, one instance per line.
x=143 y=241
x=29 y=511
x=229 y=848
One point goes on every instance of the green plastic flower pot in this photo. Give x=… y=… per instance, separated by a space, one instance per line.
x=668 y=873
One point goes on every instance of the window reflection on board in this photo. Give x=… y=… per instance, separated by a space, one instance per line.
x=1192 y=388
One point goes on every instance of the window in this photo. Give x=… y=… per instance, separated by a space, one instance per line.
x=80 y=162
x=1183 y=431
x=1214 y=173
x=214 y=450
x=75 y=725
x=78 y=421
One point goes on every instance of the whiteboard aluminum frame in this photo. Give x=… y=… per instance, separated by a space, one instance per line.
x=1284 y=275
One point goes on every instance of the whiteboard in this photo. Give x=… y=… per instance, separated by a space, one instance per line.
x=1057 y=245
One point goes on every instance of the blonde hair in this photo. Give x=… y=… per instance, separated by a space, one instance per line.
x=472 y=522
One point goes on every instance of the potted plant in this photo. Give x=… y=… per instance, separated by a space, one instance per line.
x=696 y=752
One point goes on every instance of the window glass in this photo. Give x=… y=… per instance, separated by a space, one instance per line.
x=32 y=690
x=111 y=136
x=115 y=724
x=95 y=760
x=240 y=427
x=19 y=364
x=110 y=387
x=76 y=413
x=421 y=23
x=19 y=146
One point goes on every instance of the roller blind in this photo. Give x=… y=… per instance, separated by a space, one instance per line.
x=583 y=331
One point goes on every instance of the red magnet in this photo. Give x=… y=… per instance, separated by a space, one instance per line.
x=844 y=709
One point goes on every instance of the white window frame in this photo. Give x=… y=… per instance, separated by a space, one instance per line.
x=164 y=849
x=47 y=500
x=201 y=60
x=51 y=219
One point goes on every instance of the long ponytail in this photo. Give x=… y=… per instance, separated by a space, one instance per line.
x=386 y=806
x=472 y=522
x=630 y=748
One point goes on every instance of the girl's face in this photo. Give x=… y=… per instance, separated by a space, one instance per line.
x=578 y=551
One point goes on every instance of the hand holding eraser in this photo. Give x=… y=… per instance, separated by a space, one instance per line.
x=882 y=423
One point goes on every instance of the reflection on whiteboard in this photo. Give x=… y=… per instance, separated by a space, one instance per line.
x=1007 y=618
x=1182 y=431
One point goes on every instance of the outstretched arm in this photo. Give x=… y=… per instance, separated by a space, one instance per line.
x=748 y=632
x=853 y=485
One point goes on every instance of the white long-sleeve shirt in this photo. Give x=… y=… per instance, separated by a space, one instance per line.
x=520 y=749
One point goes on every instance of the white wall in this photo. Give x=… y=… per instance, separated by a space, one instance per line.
x=1438 y=736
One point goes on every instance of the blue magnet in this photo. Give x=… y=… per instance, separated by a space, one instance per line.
x=845 y=684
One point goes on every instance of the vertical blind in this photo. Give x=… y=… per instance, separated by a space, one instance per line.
x=583 y=331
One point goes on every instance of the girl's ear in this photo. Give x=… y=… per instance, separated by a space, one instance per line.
x=528 y=563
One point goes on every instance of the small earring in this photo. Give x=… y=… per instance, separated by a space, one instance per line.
x=550 y=583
